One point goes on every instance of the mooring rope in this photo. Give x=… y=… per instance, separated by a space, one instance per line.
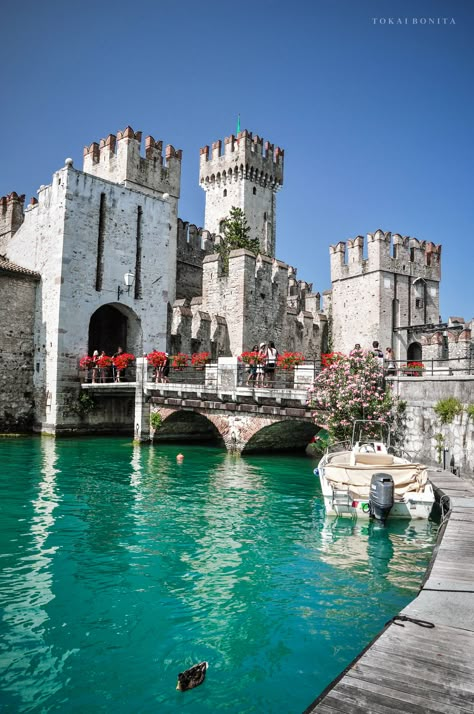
x=405 y=618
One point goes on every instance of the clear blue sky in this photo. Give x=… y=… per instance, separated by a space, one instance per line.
x=376 y=120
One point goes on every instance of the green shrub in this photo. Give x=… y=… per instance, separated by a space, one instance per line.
x=156 y=420
x=447 y=409
x=470 y=411
x=84 y=405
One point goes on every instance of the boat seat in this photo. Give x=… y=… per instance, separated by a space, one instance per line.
x=374 y=459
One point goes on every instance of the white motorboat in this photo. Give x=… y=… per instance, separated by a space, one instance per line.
x=367 y=478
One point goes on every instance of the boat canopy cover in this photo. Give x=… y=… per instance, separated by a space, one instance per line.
x=406 y=477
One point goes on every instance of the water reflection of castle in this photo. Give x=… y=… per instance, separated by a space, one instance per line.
x=397 y=552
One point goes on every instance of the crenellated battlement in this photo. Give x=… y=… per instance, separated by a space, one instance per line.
x=11 y=216
x=193 y=241
x=117 y=158
x=246 y=156
x=385 y=252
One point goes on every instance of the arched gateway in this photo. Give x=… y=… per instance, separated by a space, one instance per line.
x=115 y=325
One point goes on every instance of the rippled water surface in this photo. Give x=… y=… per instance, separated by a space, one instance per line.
x=121 y=568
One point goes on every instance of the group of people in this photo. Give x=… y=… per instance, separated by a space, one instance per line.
x=262 y=373
x=387 y=359
x=99 y=372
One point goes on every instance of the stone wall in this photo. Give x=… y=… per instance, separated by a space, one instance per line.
x=17 y=352
x=423 y=424
x=193 y=244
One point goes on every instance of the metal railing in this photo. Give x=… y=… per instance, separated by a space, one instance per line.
x=430 y=367
x=222 y=376
x=107 y=375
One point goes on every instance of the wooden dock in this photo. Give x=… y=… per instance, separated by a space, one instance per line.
x=409 y=667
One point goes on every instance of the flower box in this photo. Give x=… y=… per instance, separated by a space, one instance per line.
x=199 y=359
x=289 y=360
x=180 y=360
x=156 y=359
x=251 y=358
x=413 y=369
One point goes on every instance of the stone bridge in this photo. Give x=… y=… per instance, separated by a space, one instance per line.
x=242 y=427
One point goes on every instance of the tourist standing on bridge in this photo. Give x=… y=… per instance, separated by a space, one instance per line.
x=271 y=360
x=262 y=354
x=252 y=368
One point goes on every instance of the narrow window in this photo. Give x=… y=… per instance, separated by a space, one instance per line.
x=254 y=191
x=225 y=192
x=99 y=272
x=138 y=259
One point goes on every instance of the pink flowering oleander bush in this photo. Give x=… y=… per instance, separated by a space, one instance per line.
x=350 y=388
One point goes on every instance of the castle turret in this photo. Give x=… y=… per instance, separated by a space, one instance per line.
x=381 y=296
x=246 y=173
x=117 y=159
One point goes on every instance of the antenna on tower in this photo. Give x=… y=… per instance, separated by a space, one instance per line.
x=238 y=124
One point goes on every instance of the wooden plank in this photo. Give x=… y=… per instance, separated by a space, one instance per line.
x=398 y=701
x=429 y=688
x=415 y=670
x=430 y=674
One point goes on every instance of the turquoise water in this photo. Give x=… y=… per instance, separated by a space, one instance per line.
x=121 y=568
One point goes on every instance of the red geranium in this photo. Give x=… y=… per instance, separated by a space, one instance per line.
x=199 y=359
x=123 y=360
x=180 y=360
x=86 y=363
x=252 y=358
x=330 y=357
x=156 y=359
x=289 y=360
x=104 y=361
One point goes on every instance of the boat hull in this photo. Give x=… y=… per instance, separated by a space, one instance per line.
x=415 y=505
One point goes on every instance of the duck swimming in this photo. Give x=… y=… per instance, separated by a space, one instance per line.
x=192 y=677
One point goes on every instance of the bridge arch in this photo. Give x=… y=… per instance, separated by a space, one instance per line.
x=182 y=425
x=285 y=435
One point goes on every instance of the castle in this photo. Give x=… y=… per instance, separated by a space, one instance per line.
x=63 y=259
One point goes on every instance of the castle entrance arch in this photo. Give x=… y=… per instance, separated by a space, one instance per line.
x=113 y=326
x=414 y=352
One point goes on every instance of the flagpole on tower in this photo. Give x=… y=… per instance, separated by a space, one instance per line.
x=238 y=124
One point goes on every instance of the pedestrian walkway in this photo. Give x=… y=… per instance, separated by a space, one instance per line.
x=423 y=661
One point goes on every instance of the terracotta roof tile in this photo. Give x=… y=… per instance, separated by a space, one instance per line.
x=10 y=267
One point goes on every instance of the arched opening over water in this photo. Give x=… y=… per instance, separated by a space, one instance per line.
x=414 y=352
x=115 y=325
x=282 y=436
x=188 y=426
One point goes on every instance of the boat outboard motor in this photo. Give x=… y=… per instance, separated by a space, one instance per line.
x=381 y=497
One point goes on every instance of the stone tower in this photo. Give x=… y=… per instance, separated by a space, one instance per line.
x=247 y=174
x=86 y=230
x=383 y=290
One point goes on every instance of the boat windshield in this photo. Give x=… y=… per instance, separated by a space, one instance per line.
x=365 y=431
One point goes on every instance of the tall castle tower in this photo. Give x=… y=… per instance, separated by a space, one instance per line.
x=389 y=296
x=246 y=175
